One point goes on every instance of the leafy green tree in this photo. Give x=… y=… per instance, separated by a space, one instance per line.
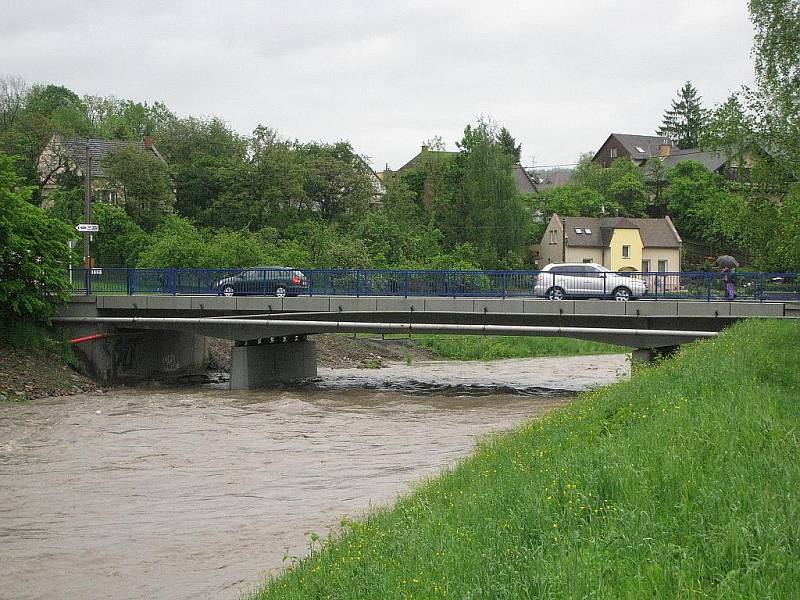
x=336 y=181
x=574 y=201
x=592 y=175
x=775 y=103
x=487 y=210
x=627 y=188
x=144 y=181
x=234 y=249
x=684 y=122
x=120 y=240
x=33 y=252
x=175 y=243
x=703 y=209
x=67 y=205
x=730 y=129
x=113 y=118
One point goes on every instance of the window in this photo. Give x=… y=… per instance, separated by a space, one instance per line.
x=645 y=266
x=626 y=252
x=578 y=230
x=662 y=266
x=612 y=152
x=587 y=260
x=587 y=231
x=104 y=196
x=553 y=239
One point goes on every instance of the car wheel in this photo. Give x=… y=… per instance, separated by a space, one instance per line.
x=280 y=291
x=228 y=290
x=555 y=293
x=622 y=294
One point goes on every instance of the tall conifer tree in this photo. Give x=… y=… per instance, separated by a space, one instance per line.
x=684 y=122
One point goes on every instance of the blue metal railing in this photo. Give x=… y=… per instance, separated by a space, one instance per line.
x=708 y=286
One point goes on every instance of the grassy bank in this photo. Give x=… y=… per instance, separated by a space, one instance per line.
x=477 y=347
x=682 y=482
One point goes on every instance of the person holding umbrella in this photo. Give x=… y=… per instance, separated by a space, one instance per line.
x=728 y=265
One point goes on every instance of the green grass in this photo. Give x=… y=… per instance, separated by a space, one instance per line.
x=475 y=347
x=682 y=482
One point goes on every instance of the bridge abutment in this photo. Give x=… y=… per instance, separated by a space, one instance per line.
x=133 y=357
x=649 y=355
x=260 y=363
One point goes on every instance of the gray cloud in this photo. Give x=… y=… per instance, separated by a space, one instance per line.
x=559 y=75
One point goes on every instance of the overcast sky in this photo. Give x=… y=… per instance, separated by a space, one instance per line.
x=560 y=74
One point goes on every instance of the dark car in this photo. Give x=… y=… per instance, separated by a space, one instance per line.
x=263 y=281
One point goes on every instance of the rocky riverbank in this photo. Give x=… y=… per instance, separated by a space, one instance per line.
x=36 y=373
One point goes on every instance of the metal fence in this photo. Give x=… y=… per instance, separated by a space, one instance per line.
x=708 y=286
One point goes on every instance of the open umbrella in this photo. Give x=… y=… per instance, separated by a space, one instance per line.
x=727 y=262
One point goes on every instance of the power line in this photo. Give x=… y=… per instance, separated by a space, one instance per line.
x=550 y=166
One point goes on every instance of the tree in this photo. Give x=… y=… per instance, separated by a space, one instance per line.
x=12 y=100
x=175 y=243
x=120 y=240
x=775 y=103
x=144 y=181
x=113 y=118
x=33 y=252
x=656 y=177
x=627 y=188
x=509 y=144
x=574 y=201
x=487 y=210
x=336 y=180
x=730 y=129
x=703 y=209
x=684 y=122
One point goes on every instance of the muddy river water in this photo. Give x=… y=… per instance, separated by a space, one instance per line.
x=202 y=492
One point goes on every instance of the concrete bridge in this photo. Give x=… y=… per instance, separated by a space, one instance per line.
x=158 y=335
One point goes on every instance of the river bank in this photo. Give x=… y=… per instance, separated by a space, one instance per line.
x=679 y=482
x=35 y=365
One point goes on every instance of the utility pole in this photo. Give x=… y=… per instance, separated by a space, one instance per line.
x=87 y=206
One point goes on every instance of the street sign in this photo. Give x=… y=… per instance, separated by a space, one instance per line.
x=87 y=227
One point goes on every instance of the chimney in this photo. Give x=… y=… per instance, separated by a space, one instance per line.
x=424 y=148
x=665 y=148
x=148 y=142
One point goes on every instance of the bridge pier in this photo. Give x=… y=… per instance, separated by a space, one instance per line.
x=260 y=363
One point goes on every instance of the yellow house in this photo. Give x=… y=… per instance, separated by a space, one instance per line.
x=619 y=243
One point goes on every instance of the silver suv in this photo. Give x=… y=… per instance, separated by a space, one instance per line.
x=586 y=280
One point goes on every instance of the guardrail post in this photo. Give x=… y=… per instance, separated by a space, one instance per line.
x=405 y=284
x=708 y=287
x=87 y=278
x=129 y=273
x=505 y=283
